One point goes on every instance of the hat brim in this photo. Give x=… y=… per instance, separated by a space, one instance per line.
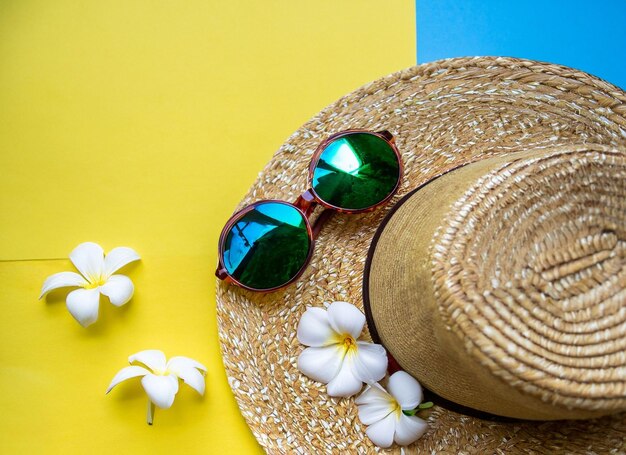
x=443 y=115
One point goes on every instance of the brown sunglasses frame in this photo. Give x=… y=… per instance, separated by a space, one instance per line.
x=305 y=204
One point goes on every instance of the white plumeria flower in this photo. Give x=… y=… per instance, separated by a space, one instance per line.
x=160 y=378
x=335 y=357
x=384 y=411
x=97 y=278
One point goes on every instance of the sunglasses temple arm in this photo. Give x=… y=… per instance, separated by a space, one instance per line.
x=320 y=221
x=387 y=135
x=221 y=273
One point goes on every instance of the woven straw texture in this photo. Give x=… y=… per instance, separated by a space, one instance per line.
x=563 y=275
x=509 y=291
x=443 y=114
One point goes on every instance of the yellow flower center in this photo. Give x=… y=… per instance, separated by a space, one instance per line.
x=95 y=282
x=349 y=344
x=395 y=407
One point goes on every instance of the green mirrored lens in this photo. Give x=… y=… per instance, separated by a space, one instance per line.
x=267 y=246
x=356 y=171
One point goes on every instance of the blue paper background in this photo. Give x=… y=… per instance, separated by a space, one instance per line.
x=590 y=36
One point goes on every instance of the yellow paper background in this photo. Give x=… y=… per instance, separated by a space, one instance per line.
x=143 y=123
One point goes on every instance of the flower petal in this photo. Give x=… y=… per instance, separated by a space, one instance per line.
x=373 y=393
x=187 y=370
x=370 y=362
x=381 y=433
x=88 y=258
x=405 y=389
x=127 y=373
x=180 y=361
x=160 y=389
x=61 y=280
x=345 y=384
x=152 y=358
x=83 y=305
x=346 y=318
x=321 y=364
x=409 y=429
x=314 y=328
x=119 y=289
x=374 y=404
x=118 y=258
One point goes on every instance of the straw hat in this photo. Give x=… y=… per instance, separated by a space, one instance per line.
x=509 y=283
x=526 y=126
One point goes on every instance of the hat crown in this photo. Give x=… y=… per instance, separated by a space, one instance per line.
x=529 y=268
x=512 y=283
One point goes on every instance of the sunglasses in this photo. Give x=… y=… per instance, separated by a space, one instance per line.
x=268 y=244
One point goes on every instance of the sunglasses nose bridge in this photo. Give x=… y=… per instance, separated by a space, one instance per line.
x=306 y=202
